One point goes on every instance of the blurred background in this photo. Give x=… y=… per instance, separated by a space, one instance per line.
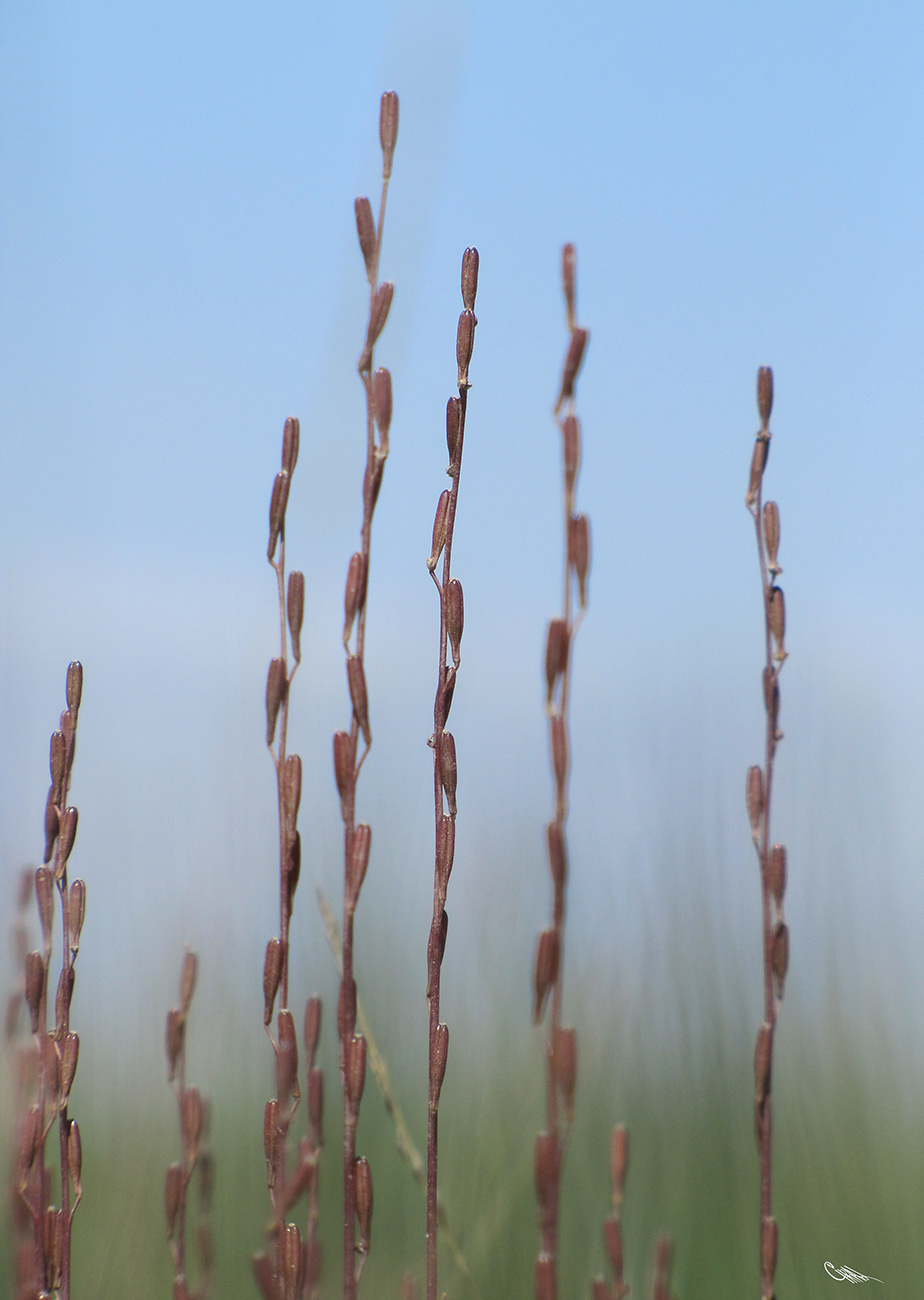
x=180 y=272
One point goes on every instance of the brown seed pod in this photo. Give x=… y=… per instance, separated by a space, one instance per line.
x=755 y=798
x=771 y=697
x=291 y=1260
x=556 y=654
x=295 y=610
x=564 y=1054
x=776 y=614
x=764 y=394
x=286 y=1057
x=776 y=873
x=558 y=855
x=388 y=130
x=612 y=1241
x=70 y=1050
x=51 y=824
x=469 y=278
x=568 y=259
x=356 y=680
x=455 y=617
x=769 y=1243
x=449 y=686
x=311 y=1030
x=365 y=229
x=276 y=689
x=573 y=359
x=279 y=499
x=448 y=769
x=779 y=960
x=35 y=982
x=545 y=1166
x=56 y=762
x=619 y=1162
x=363 y=1177
x=271 y=1138
x=465 y=344
x=763 y=1056
x=438 y=1059
x=27 y=1135
x=193 y=1119
x=74 y=688
x=571 y=438
x=445 y=851
x=45 y=897
x=355 y=1069
x=381 y=404
x=344 y=756
x=316 y=1105
x=559 y=751
x=290 y=435
x=436 y=947
x=772 y=535
x=358 y=861
x=292 y=788
x=758 y=465
x=172 y=1190
x=77 y=910
x=346 y=1010
x=67 y=832
x=453 y=429
x=272 y=973
x=176 y=1034
x=381 y=305
x=63 y=998
x=579 y=552
x=544 y=1279
x=74 y=1155
x=545 y=970
x=354 y=595
x=439 y=530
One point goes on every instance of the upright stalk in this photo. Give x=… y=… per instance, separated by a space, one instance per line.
x=560 y=1042
x=771 y=859
x=442 y=741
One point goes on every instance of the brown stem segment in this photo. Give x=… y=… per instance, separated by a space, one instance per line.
x=442 y=742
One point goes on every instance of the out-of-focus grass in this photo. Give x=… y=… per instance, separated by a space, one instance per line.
x=848 y=1181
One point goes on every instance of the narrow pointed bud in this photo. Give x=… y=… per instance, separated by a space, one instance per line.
x=290 y=437
x=67 y=832
x=346 y=1010
x=365 y=229
x=545 y=1166
x=612 y=1241
x=51 y=824
x=571 y=450
x=45 y=897
x=277 y=511
x=449 y=686
x=776 y=873
x=28 y=1133
x=469 y=278
x=316 y=1105
x=455 y=617
x=176 y=1034
x=188 y=974
x=448 y=769
x=559 y=751
x=556 y=655
x=436 y=947
x=35 y=979
x=363 y=1178
x=56 y=762
x=445 y=850
x=439 y=1056
x=193 y=1118
x=378 y=315
x=779 y=959
x=354 y=596
x=568 y=259
x=453 y=428
x=286 y=1058
x=544 y=1278
x=772 y=535
x=271 y=1139
x=356 y=680
x=172 y=1191
x=776 y=614
x=465 y=345
x=755 y=798
x=771 y=698
x=579 y=552
x=295 y=609
x=74 y=688
x=343 y=765
x=439 y=530
x=358 y=862
x=573 y=359
x=558 y=855
x=70 y=1050
x=272 y=973
x=381 y=403
x=276 y=688
x=291 y=1260
x=77 y=910
x=63 y=998
x=545 y=970
x=619 y=1162
x=74 y=1155
x=769 y=1243
x=292 y=786
x=763 y=1056
x=565 y=1061
x=764 y=394
x=388 y=130
x=355 y=1069
x=758 y=465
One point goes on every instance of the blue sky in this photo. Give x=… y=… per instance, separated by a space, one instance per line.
x=179 y=273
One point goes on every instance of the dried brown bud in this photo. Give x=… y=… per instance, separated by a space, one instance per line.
x=776 y=873
x=763 y=1057
x=573 y=359
x=779 y=959
x=564 y=1054
x=545 y=971
x=363 y=1177
x=74 y=1155
x=291 y=1261
x=365 y=229
x=771 y=698
x=388 y=130
x=35 y=981
x=63 y=998
x=439 y=530
x=316 y=1105
x=455 y=617
x=290 y=434
x=559 y=750
x=67 y=832
x=545 y=1166
x=295 y=609
x=758 y=465
x=193 y=1118
x=56 y=763
x=277 y=511
x=356 y=680
x=558 y=855
x=176 y=1033
x=465 y=344
x=271 y=1138
x=439 y=1055
x=51 y=824
x=354 y=596
x=772 y=535
x=358 y=861
x=619 y=1161
x=74 y=688
x=45 y=897
x=453 y=428
x=769 y=1242
x=556 y=654
x=755 y=798
x=449 y=686
x=172 y=1192
x=272 y=973
x=579 y=552
x=445 y=851
x=346 y=1010
x=612 y=1241
x=776 y=615
x=436 y=947
x=469 y=278
x=354 y=1069
x=446 y=757
x=77 y=910
x=764 y=394
x=29 y=1129
x=343 y=765
x=311 y=1030
x=568 y=258
x=276 y=689
x=378 y=315
x=70 y=1050
x=381 y=403
x=571 y=438
x=544 y=1279
x=286 y=1057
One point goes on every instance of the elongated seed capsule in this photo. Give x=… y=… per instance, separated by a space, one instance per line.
x=176 y=1034
x=579 y=552
x=436 y=947
x=74 y=1155
x=271 y=1137
x=763 y=1054
x=56 y=762
x=293 y=868
x=388 y=130
x=448 y=769
x=445 y=850
x=173 y=1184
x=291 y=1260
x=74 y=688
x=612 y=1241
x=764 y=394
x=354 y=595
x=290 y=436
x=556 y=654
x=559 y=751
x=359 y=861
x=777 y=619
x=316 y=1105
x=51 y=824
x=465 y=344
x=272 y=973
x=356 y=680
x=573 y=359
x=363 y=1177
x=35 y=980
x=439 y=530
x=29 y=1128
x=381 y=403
x=771 y=697
x=346 y=1009
x=755 y=798
x=276 y=689
x=292 y=784
x=571 y=449
x=779 y=960
x=438 y=1060
x=365 y=229
x=568 y=258
x=69 y=1050
x=758 y=465
x=295 y=609
x=776 y=873
x=67 y=832
x=453 y=428
x=381 y=305
x=544 y=1278
x=558 y=855
x=545 y=1166
x=45 y=897
x=772 y=535
x=545 y=970
x=619 y=1162
x=279 y=499
x=286 y=1057
x=469 y=278
x=344 y=756
x=769 y=1243
x=355 y=1069
x=449 y=686
x=455 y=617
x=63 y=998
x=565 y=1060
